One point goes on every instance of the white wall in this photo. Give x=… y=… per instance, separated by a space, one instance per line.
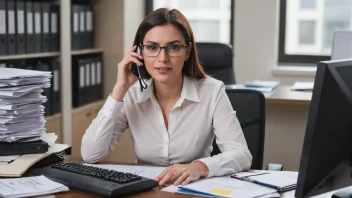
x=134 y=12
x=256 y=42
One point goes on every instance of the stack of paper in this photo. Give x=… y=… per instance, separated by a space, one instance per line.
x=302 y=86
x=29 y=186
x=21 y=110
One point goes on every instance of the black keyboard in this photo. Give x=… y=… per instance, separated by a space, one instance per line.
x=103 y=182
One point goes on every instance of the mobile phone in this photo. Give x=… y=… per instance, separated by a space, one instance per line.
x=138 y=70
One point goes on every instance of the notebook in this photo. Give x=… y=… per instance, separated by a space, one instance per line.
x=280 y=180
x=23 y=163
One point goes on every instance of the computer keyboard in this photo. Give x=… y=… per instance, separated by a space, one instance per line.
x=103 y=182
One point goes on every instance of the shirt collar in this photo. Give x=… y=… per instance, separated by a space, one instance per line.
x=189 y=91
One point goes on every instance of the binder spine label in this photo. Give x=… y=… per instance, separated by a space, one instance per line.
x=56 y=80
x=98 y=72
x=81 y=21
x=46 y=23
x=29 y=22
x=53 y=23
x=81 y=76
x=75 y=22
x=89 y=21
x=2 y=22
x=93 y=72
x=87 y=75
x=20 y=22
x=11 y=22
x=37 y=23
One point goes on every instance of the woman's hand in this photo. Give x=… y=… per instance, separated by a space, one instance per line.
x=182 y=174
x=125 y=77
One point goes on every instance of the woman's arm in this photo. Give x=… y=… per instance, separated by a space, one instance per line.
x=235 y=156
x=105 y=130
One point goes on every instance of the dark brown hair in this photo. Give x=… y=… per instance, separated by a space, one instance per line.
x=164 y=16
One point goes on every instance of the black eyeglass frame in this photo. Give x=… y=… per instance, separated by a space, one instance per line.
x=166 y=49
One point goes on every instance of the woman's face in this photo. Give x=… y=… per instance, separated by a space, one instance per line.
x=165 y=67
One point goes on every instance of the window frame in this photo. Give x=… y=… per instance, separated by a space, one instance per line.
x=288 y=58
x=149 y=7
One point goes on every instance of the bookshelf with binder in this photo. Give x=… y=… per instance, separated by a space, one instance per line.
x=48 y=31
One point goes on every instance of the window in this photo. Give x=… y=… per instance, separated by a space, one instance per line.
x=307 y=28
x=211 y=20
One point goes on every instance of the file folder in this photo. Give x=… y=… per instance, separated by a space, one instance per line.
x=78 y=82
x=97 y=82
x=37 y=27
x=11 y=29
x=45 y=26
x=54 y=28
x=22 y=148
x=89 y=27
x=75 y=27
x=56 y=90
x=20 y=28
x=82 y=27
x=29 y=25
x=3 y=28
x=99 y=78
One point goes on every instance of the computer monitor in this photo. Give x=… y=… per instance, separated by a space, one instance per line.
x=326 y=161
x=341 y=45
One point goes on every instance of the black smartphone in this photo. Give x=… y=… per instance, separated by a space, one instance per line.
x=138 y=70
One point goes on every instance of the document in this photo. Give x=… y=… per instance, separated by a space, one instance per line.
x=225 y=187
x=280 y=180
x=150 y=172
x=302 y=86
x=29 y=186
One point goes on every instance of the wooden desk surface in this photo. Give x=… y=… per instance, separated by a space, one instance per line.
x=283 y=95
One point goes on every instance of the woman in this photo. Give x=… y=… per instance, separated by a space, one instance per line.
x=173 y=122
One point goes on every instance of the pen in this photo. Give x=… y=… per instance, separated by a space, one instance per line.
x=256 y=182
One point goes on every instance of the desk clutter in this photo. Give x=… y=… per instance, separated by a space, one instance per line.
x=254 y=183
x=23 y=138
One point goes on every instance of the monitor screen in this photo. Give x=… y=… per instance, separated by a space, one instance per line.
x=326 y=155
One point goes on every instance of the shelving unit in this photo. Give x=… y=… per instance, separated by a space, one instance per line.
x=108 y=16
x=86 y=51
x=29 y=56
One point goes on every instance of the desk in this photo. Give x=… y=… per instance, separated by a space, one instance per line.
x=283 y=95
x=154 y=193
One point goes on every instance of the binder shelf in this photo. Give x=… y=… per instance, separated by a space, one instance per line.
x=28 y=56
x=87 y=51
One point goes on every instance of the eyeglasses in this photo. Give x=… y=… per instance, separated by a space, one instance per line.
x=171 y=50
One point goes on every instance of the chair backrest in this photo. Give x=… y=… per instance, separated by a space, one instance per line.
x=217 y=61
x=250 y=110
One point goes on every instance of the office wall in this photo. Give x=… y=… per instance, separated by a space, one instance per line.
x=256 y=42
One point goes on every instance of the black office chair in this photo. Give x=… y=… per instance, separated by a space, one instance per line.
x=250 y=110
x=217 y=61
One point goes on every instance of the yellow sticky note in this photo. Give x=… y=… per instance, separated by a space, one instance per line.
x=220 y=191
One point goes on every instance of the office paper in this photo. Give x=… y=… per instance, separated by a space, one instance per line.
x=29 y=186
x=225 y=187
